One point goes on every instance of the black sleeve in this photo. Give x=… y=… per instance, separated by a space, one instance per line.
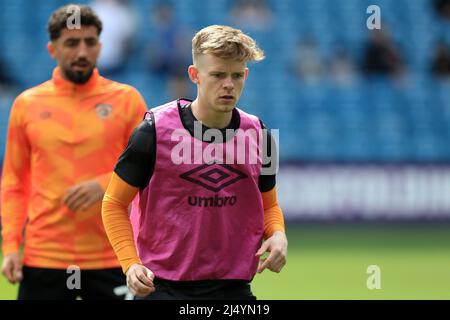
x=267 y=182
x=136 y=164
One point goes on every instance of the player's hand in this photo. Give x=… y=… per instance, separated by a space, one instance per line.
x=277 y=246
x=12 y=267
x=140 y=280
x=83 y=195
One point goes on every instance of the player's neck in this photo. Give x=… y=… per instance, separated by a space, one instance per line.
x=209 y=117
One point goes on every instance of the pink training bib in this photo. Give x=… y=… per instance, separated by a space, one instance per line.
x=201 y=220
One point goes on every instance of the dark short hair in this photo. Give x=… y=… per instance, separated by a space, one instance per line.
x=58 y=20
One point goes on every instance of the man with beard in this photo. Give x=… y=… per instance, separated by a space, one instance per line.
x=64 y=137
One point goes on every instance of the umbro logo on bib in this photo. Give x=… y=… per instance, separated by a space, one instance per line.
x=213 y=177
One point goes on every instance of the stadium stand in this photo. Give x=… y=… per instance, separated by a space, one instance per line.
x=373 y=119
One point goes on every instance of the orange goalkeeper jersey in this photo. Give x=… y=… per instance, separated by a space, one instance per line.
x=61 y=134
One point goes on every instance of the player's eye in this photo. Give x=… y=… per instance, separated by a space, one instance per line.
x=238 y=75
x=71 y=43
x=219 y=75
x=91 y=42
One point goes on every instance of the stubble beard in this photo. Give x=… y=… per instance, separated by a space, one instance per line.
x=78 y=77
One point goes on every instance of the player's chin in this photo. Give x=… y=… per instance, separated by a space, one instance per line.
x=79 y=76
x=84 y=73
x=226 y=106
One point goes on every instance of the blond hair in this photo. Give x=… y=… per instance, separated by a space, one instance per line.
x=227 y=43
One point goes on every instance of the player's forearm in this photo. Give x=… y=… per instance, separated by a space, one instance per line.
x=117 y=225
x=273 y=215
x=15 y=182
x=11 y=241
x=13 y=217
x=14 y=200
x=273 y=221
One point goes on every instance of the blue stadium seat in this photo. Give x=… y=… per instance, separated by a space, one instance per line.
x=373 y=119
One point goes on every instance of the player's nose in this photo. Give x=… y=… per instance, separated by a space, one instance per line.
x=82 y=51
x=228 y=83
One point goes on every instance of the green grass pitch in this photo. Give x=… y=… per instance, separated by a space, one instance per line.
x=329 y=261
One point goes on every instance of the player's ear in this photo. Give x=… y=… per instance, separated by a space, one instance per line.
x=193 y=74
x=246 y=74
x=51 y=49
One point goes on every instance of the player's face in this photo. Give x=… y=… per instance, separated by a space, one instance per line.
x=220 y=81
x=76 y=52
